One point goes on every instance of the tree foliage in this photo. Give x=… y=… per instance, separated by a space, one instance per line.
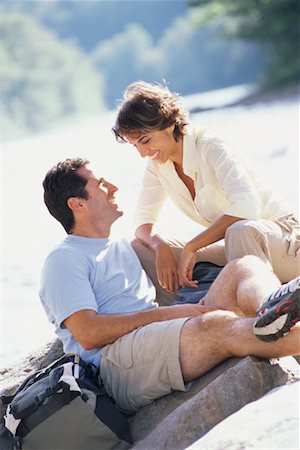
x=43 y=80
x=47 y=74
x=272 y=23
x=197 y=59
x=190 y=58
x=128 y=56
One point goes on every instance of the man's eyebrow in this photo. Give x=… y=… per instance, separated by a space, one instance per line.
x=100 y=181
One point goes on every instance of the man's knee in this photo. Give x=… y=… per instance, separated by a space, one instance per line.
x=139 y=247
x=146 y=257
x=207 y=324
x=204 y=342
x=247 y=262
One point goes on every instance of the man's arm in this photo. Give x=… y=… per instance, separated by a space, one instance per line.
x=94 y=330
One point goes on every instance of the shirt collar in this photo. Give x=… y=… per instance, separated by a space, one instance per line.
x=189 y=153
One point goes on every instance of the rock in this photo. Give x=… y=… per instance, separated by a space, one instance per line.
x=179 y=419
x=272 y=423
x=13 y=376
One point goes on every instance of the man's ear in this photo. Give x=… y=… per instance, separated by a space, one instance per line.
x=74 y=203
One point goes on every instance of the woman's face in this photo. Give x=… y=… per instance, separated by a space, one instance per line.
x=159 y=145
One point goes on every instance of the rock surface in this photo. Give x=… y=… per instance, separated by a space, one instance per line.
x=272 y=422
x=180 y=419
x=13 y=376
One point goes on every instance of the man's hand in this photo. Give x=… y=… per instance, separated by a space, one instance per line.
x=185 y=268
x=166 y=268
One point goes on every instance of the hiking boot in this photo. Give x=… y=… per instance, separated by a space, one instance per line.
x=279 y=313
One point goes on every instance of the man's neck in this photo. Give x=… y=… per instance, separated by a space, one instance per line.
x=92 y=232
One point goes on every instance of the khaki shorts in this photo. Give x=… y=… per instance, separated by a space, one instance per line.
x=143 y=365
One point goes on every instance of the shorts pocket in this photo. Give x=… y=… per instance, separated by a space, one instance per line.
x=291 y=230
x=120 y=352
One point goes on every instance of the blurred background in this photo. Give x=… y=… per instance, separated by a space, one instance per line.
x=62 y=59
x=64 y=66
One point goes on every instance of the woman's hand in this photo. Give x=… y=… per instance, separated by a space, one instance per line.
x=166 y=268
x=185 y=268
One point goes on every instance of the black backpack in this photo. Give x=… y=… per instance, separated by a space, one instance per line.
x=64 y=407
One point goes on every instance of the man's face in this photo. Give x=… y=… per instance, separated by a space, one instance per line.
x=101 y=204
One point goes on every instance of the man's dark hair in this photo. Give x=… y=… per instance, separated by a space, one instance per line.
x=62 y=182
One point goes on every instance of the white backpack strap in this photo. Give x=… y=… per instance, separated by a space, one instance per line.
x=70 y=380
x=70 y=374
x=11 y=423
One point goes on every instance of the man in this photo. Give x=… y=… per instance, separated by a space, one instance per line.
x=101 y=302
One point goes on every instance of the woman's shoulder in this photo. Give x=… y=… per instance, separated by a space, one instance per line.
x=207 y=133
x=213 y=145
x=208 y=138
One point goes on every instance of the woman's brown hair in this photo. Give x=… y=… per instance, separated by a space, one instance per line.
x=147 y=106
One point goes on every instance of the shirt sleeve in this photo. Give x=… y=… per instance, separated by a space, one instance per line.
x=151 y=198
x=233 y=178
x=65 y=286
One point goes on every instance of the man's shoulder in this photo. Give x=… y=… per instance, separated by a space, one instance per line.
x=62 y=252
x=61 y=248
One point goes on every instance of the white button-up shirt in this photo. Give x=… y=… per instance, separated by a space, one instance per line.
x=224 y=184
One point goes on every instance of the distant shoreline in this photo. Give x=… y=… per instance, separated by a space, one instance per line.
x=290 y=93
x=286 y=94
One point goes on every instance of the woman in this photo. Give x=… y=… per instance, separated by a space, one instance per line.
x=208 y=182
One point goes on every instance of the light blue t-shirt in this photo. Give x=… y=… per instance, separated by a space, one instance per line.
x=102 y=275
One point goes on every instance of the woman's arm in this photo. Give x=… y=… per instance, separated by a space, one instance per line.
x=150 y=201
x=212 y=234
x=165 y=260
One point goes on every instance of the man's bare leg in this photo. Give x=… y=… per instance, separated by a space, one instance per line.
x=215 y=336
x=242 y=286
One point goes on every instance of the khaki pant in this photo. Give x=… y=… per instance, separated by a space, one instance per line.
x=277 y=243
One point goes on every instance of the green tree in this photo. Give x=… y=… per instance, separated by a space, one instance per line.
x=192 y=59
x=197 y=59
x=272 y=23
x=127 y=57
x=42 y=79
